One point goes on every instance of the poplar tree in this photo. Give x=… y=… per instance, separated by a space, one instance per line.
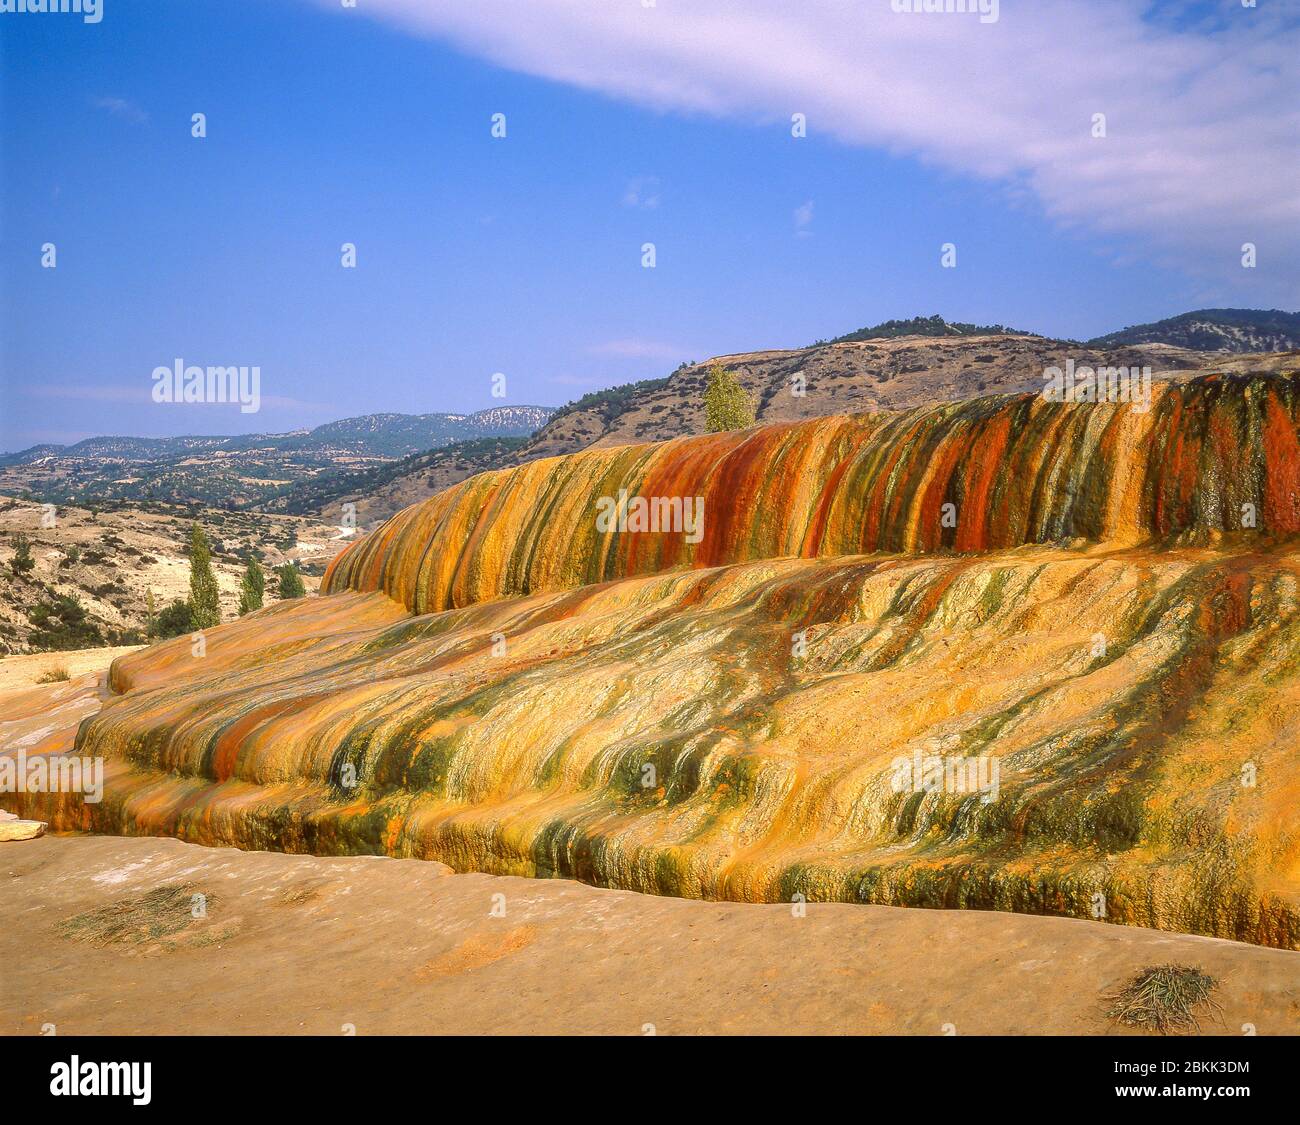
x=727 y=405
x=252 y=587
x=205 y=603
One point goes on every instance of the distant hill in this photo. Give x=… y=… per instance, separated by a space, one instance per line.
x=898 y=364
x=376 y=435
x=884 y=372
x=1211 y=330
x=397 y=435
x=119 y=448
x=383 y=489
x=924 y=326
x=247 y=470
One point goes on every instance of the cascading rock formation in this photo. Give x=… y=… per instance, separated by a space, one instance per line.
x=1001 y=654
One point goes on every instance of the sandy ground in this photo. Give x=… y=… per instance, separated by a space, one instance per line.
x=19 y=672
x=305 y=945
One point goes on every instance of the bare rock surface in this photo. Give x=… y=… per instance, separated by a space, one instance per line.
x=100 y=936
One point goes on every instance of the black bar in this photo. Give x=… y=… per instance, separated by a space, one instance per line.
x=335 y=1073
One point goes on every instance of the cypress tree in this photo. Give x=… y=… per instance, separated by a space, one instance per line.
x=252 y=587
x=290 y=582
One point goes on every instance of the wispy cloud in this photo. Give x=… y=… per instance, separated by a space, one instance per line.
x=288 y=402
x=142 y=394
x=123 y=108
x=642 y=192
x=803 y=217
x=635 y=348
x=1201 y=117
x=88 y=392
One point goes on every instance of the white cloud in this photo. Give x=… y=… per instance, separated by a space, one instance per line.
x=803 y=217
x=1202 y=121
x=89 y=392
x=642 y=192
x=638 y=349
x=141 y=393
x=122 y=107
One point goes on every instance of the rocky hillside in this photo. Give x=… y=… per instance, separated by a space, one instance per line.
x=94 y=570
x=376 y=493
x=852 y=375
x=900 y=364
x=924 y=326
x=1224 y=330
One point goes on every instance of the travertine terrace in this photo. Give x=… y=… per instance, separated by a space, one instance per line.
x=1096 y=602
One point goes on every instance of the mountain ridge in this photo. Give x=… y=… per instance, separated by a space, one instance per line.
x=1228 y=330
x=246 y=471
x=388 y=430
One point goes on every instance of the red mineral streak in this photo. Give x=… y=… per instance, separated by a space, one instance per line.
x=1018 y=470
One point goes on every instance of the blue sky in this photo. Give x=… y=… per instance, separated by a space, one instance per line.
x=625 y=125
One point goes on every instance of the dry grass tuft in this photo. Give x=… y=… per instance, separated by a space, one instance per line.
x=155 y=915
x=297 y=896
x=1164 y=999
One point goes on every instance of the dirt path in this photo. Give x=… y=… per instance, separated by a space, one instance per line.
x=305 y=945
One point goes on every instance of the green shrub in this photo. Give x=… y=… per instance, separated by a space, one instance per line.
x=172 y=621
x=61 y=624
x=22 y=562
x=291 y=585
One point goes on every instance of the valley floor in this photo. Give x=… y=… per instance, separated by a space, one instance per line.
x=293 y=944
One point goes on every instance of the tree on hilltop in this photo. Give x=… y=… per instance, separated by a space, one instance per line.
x=727 y=405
